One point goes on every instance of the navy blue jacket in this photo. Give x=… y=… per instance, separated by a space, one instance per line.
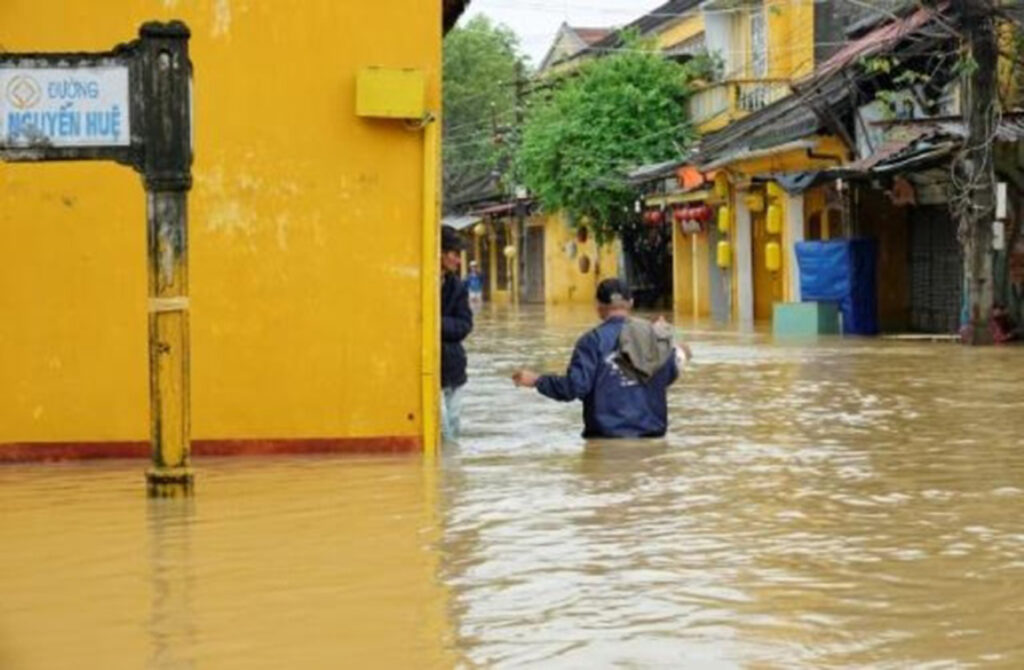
x=456 y=325
x=613 y=404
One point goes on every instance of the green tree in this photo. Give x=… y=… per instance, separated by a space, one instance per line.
x=482 y=67
x=613 y=114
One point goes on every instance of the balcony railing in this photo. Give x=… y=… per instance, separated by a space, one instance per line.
x=731 y=99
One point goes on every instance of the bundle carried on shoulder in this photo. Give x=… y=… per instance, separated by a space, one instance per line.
x=645 y=347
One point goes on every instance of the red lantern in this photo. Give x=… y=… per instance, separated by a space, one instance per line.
x=656 y=217
x=679 y=213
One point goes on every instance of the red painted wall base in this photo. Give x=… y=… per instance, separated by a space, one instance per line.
x=38 y=452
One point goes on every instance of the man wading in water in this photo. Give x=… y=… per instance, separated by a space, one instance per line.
x=621 y=370
x=456 y=325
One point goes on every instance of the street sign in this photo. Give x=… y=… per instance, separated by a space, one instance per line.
x=131 y=105
x=64 y=106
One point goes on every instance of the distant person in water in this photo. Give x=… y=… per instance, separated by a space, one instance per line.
x=621 y=370
x=475 y=285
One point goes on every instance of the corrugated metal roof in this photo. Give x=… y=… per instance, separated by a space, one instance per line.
x=914 y=136
x=876 y=41
x=1010 y=129
x=924 y=141
x=892 y=147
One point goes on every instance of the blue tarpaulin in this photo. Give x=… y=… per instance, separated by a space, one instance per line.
x=842 y=271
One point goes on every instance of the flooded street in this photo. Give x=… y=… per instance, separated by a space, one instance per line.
x=849 y=503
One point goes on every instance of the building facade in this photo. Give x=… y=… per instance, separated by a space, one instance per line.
x=312 y=242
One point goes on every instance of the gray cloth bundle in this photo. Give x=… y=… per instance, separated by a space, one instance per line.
x=645 y=347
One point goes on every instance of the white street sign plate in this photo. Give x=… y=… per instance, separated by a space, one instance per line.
x=64 y=107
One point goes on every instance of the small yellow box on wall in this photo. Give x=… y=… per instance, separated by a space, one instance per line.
x=390 y=93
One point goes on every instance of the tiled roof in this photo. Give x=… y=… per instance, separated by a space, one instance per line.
x=591 y=35
x=650 y=21
x=452 y=11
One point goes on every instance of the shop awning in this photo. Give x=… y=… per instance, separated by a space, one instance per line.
x=460 y=222
x=678 y=198
x=806 y=155
x=497 y=210
x=655 y=171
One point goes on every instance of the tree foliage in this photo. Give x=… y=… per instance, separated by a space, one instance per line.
x=482 y=64
x=613 y=114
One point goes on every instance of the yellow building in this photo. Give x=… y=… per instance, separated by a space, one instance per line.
x=574 y=262
x=560 y=264
x=763 y=48
x=776 y=121
x=312 y=241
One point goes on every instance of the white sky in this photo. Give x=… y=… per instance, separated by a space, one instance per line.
x=537 y=21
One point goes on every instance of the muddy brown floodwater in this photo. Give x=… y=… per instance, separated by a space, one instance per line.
x=834 y=504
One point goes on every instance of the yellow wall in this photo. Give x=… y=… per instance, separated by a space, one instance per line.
x=790 y=38
x=563 y=281
x=305 y=227
x=687 y=27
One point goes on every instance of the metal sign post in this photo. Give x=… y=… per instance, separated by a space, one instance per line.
x=131 y=105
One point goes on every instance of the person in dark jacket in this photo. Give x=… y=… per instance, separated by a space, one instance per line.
x=456 y=325
x=617 y=401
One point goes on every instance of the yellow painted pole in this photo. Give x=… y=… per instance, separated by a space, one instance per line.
x=166 y=74
x=696 y=277
x=677 y=270
x=492 y=258
x=431 y=295
x=513 y=262
x=171 y=474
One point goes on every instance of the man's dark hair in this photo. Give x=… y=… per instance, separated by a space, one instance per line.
x=613 y=290
x=450 y=239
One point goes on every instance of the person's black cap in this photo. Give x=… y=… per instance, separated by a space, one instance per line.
x=612 y=290
x=451 y=240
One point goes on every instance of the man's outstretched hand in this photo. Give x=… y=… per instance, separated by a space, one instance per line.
x=525 y=378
